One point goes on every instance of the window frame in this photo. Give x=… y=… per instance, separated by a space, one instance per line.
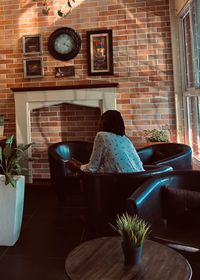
x=188 y=91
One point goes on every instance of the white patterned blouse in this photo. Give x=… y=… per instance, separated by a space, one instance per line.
x=113 y=153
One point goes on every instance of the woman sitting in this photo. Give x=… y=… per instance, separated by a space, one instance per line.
x=113 y=152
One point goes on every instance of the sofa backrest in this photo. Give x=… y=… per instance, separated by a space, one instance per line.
x=80 y=150
x=179 y=156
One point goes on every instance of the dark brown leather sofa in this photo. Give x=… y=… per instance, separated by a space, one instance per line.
x=63 y=180
x=106 y=195
x=171 y=204
x=177 y=155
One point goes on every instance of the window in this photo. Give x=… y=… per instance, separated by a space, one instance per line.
x=190 y=38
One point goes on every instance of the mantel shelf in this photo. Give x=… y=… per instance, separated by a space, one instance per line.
x=67 y=87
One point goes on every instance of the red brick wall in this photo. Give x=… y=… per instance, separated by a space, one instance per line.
x=141 y=51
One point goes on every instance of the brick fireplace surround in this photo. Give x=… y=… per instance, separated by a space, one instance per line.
x=48 y=115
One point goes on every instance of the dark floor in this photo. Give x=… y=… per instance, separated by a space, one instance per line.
x=50 y=231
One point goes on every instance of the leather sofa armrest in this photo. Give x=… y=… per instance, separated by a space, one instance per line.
x=146 y=201
x=58 y=166
x=179 y=161
x=177 y=155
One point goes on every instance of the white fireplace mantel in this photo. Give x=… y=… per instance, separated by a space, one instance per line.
x=102 y=96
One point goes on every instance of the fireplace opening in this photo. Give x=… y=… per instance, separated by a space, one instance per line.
x=62 y=122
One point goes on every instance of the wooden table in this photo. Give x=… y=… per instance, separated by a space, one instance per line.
x=102 y=259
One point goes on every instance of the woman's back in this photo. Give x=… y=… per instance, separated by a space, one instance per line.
x=113 y=153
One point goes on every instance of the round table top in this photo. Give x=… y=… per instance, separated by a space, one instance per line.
x=102 y=259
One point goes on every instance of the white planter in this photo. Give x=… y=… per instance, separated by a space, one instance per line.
x=11 y=210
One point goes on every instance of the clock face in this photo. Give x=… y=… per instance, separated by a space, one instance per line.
x=64 y=43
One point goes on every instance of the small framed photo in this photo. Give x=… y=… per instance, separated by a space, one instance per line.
x=100 y=52
x=33 y=68
x=32 y=44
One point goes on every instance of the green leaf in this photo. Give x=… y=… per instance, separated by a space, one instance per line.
x=9 y=140
x=45 y=11
x=9 y=179
x=60 y=13
x=69 y=4
x=7 y=151
x=24 y=147
x=1 y=154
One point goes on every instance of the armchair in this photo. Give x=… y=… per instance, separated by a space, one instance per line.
x=177 y=155
x=63 y=180
x=106 y=195
x=171 y=203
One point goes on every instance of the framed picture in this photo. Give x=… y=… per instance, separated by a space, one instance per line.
x=32 y=44
x=33 y=68
x=100 y=52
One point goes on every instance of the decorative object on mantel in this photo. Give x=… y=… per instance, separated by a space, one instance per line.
x=100 y=52
x=65 y=71
x=61 y=12
x=11 y=191
x=1 y=125
x=133 y=231
x=33 y=68
x=32 y=44
x=64 y=43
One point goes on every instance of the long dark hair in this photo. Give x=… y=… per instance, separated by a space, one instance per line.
x=112 y=121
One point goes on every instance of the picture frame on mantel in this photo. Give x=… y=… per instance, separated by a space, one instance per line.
x=32 y=44
x=99 y=52
x=33 y=68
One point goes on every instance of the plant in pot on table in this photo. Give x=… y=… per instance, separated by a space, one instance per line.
x=11 y=190
x=133 y=231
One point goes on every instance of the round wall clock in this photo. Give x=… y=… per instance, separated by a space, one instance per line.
x=64 y=43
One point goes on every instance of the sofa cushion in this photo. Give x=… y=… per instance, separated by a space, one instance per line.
x=181 y=207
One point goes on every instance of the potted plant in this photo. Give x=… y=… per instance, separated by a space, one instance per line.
x=156 y=135
x=133 y=231
x=11 y=190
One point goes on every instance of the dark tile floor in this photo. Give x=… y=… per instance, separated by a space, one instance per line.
x=50 y=230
